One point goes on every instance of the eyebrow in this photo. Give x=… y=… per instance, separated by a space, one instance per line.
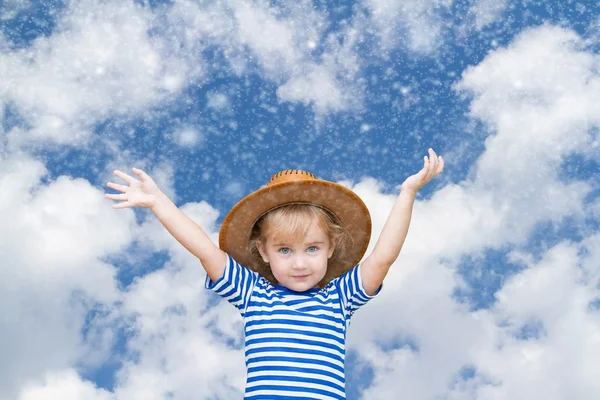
x=308 y=244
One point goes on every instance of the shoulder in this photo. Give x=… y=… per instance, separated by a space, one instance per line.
x=263 y=285
x=351 y=273
x=331 y=289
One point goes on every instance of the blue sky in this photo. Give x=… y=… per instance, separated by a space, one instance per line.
x=496 y=289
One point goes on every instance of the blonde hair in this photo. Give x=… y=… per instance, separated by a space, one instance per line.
x=292 y=222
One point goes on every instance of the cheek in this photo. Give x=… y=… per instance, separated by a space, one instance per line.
x=277 y=266
x=321 y=261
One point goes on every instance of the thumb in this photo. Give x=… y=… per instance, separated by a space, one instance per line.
x=143 y=176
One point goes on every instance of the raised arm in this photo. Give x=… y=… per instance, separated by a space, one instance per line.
x=145 y=193
x=376 y=266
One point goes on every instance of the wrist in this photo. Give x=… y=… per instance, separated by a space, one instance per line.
x=408 y=191
x=160 y=200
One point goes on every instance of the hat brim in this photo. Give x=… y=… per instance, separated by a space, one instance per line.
x=234 y=236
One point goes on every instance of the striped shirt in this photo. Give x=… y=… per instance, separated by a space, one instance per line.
x=294 y=341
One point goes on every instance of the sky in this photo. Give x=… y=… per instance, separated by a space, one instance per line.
x=496 y=293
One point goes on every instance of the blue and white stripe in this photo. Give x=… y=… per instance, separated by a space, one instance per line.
x=294 y=342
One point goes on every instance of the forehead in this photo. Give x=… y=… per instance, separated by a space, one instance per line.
x=314 y=233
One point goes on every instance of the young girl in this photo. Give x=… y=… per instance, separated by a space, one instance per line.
x=288 y=261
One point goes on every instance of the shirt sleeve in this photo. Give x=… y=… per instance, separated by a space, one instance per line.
x=235 y=285
x=352 y=293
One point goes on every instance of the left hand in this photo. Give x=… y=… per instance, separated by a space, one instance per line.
x=432 y=167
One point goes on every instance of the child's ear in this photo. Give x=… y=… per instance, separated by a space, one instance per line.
x=333 y=244
x=261 y=250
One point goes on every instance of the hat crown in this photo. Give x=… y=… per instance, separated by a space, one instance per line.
x=289 y=175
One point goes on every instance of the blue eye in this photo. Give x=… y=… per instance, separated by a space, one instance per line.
x=312 y=249
x=284 y=250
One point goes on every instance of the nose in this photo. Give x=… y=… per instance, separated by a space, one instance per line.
x=299 y=262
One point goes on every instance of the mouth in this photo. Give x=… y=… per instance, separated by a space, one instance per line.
x=301 y=276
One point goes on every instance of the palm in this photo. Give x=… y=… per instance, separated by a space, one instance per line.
x=139 y=193
x=432 y=167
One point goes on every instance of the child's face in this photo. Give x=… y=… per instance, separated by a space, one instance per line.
x=298 y=264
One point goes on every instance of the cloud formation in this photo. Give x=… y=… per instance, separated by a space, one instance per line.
x=100 y=62
x=52 y=271
x=64 y=308
x=116 y=59
x=539 y=99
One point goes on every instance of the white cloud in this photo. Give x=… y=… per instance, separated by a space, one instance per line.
x=539 y=96
x=218 y=101
x=114 y=59
x=10 y=8
x=317 y=86
x=52 y=271
x=244 y=32
x=188 y=137
x=64 y=385
x=495 y=207
x=555 y=294
x=235 y=189
x=418 y=21
x=46 y=294
x=258 y=25
x=449 y=337
x=487 y=11
x=420 y=25
x=99 y=62
x=327 y=82
x=181 y=345
x=514 y=185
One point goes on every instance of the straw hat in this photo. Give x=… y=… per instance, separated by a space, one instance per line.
x=298 y=187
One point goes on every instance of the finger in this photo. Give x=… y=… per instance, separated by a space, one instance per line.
x=125 y=204
x=143 y=176
x=440 y=165
x=124 y=176
x=426 y=172
x=434 y=163
x=119 y=197
x=423 y=171
x=116 y=186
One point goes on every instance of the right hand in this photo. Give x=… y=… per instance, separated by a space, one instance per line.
x=140 y=193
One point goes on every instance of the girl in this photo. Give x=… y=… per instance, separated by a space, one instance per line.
x=288 y=261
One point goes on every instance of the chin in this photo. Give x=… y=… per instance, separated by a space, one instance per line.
x=302 y=286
